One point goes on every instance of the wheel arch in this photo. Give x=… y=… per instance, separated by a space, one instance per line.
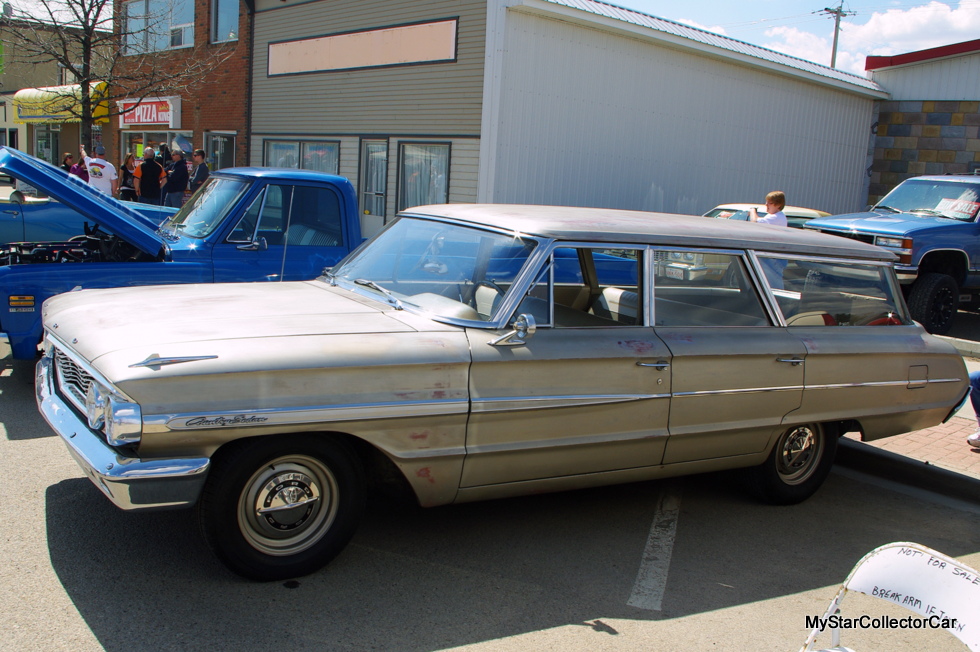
x=951 y=262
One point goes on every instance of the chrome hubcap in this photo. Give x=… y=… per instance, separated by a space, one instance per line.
x=288 y=506
x=798 y=454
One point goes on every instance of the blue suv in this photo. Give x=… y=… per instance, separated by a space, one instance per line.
x=930 y=223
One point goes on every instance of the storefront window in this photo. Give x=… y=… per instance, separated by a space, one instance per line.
x=47 y=143
x=424 y=174
x=322 y=156
x=224 y=20
x=162 y=143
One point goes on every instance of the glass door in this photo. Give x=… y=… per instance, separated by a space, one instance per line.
x=374 y=185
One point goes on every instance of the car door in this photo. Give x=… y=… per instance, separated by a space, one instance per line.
x=735 y=373
x=316 y=234
x=254 y=250
x=11 y=222
x=864 y=353
x=587 y=392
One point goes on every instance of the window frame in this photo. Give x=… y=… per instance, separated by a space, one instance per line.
x=216 y=13
x=401 y=184
x=301 y=147
x=146 y=44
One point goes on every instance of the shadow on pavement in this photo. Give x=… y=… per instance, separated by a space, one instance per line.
x=417 y=579
x=18 y=409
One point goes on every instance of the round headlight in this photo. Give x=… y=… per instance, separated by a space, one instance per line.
x=688 y=256
x=95 y=401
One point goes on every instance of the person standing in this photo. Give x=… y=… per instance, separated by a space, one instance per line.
x=974 y=439
x=79 y=171
x=67 y=162
x=101 y=173
x=149 y=178
x=775 y=203
x=201 y=172
x=127 y=189
x=177 y=176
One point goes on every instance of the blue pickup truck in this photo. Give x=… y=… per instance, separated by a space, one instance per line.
x=931 y=224
x=244 y=224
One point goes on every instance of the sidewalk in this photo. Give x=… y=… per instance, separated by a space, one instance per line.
x=936 y=458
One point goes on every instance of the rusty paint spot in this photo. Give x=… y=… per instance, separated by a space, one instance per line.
x=637 y=346
x=439 y=394
x=418 y=435
x=426 y=473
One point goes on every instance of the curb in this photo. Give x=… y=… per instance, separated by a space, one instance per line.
x=898 y=468
x=965 y=348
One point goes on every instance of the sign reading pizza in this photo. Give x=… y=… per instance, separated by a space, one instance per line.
x=150 y=111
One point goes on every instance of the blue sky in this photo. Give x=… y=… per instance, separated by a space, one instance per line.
x=877 y=27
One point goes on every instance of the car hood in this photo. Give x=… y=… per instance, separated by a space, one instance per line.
x=115 y=216
x=167 y=320
x=882 y=222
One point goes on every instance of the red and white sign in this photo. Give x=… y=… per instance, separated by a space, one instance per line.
x=150 y=111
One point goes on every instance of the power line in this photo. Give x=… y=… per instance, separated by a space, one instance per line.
x=837 y=14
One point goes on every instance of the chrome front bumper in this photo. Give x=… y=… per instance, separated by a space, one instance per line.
x=129 y=482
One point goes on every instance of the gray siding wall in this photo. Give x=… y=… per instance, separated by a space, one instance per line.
x=429 y=99
x=592 y=118
x=943 y=80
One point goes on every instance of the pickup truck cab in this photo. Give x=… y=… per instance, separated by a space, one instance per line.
x=930 y=223
x=244 y=224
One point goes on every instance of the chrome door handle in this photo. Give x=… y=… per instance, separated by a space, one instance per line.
x=661 y=365
x=792 y=361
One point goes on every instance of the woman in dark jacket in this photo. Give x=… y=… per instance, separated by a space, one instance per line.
x=127 y=186
x=67 y=161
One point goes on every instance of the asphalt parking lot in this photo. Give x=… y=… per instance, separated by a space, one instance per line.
x=572 y=571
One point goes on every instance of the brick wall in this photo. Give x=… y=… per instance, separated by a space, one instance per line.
x=916 y=138
x=217 y=102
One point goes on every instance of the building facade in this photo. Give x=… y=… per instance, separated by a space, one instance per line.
x=931 y=124
x=548 y=102
x=208 y=111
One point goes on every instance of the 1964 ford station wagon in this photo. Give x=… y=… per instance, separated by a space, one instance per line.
x=481 y=351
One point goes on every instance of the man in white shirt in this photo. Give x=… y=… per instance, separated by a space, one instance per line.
x=101 y=173
x=775 y=203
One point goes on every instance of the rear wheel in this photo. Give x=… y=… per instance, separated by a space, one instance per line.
x=797 y=466
x=281 y=507
x=933 y=301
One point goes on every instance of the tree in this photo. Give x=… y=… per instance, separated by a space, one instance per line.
x=110 y=59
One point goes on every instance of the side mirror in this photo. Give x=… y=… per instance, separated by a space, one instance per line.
x=524 y=327
x=256 y=245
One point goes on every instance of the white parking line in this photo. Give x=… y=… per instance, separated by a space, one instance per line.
x=651 y=579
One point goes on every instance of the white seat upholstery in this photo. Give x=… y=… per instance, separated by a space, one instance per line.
x=617 y=304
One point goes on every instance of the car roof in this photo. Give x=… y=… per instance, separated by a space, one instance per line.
x=951 y=178
x=637 y=227
x=290 y=174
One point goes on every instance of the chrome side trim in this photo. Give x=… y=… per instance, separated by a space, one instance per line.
x=516 y=403
x=744 y=390
x=298 y=416
x=884 y=383
x=129 y=482
x=538 y=444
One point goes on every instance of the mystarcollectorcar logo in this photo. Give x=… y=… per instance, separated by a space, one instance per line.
x=867 y=621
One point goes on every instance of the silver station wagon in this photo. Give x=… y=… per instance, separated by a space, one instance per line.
x=483 y=351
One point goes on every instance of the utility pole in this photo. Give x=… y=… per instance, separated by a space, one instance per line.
x=836 y=13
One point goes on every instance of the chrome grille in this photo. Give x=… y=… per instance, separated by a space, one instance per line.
x=863 y=237
x=72 y=380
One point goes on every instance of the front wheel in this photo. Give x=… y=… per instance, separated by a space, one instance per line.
x=933 y=301
x=281 y=507
x=797 y=466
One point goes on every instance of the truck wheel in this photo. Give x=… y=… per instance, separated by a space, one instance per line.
x=280 y=507
x=797 y=466
x=933 y=301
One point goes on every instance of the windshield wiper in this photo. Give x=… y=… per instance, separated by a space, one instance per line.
x=927 y=211
x=374 y=286
x=882 y=207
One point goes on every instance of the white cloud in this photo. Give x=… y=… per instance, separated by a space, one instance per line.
x=894 y=31
x=693 y=23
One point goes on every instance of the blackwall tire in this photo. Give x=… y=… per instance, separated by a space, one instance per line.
x=797 y=466
x=275 y=507
x=933 y=301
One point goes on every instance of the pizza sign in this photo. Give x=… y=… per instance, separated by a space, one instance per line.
x=146 y=113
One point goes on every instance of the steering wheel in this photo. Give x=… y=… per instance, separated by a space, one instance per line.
x=490 y=284
x=884 y=319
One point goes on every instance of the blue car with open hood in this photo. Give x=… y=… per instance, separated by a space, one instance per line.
x=244 y=224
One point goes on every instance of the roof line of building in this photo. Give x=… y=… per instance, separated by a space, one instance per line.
x=702 y=38
x=919 y=56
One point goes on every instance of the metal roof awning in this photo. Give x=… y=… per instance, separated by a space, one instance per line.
x=58 y=104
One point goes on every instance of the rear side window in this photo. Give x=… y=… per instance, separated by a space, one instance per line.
x=834 y=293
x=701 y=288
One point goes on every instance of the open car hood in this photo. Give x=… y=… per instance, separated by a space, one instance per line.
x=114 y=216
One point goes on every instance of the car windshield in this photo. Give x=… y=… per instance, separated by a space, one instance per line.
x=208 y=207
x=446 y=270
x=934 y=197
